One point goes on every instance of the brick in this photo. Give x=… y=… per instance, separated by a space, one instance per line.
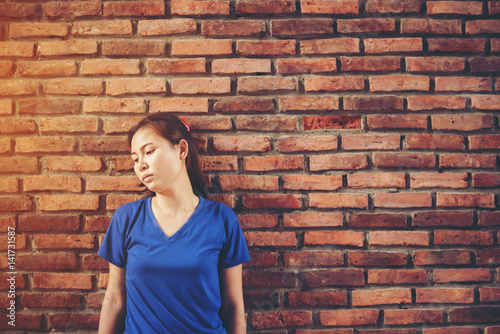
x=442 y=257
x=219 y=163
x=329 y=7
x=493 y=7
x=45 y=281
x=201 y=86
x=61 y=321
x=261 y=320
x=73 y=86
x=377 y=259
x=371 y=142
x=484 y=142
x=468 y=200
x=300 y=65
x=273 y=163
x=96 y=224
x=5 y=145
x=209 y=123
x=241 y=66
x=50 y=300
x=431 y=26
x=462 y=122
x=67 y=48
x=330 y=46
x=102 y=28
x=485 y=102
x=454 y=7
x=435 y=64
x=301 y=27
x=266 y=48
x=46 y=68
x=11 y=125
x=492 y=329
x=166 y=27
x=122 y=163
x=370 y=25
x=485 y=180
x=438 y=180
x=262 y=260
x=306 y=103
x=487 y=256
x=50 y=182
x=399 y=83
x=74 y=163
x=275 y=201
x=451 y=330
x=370 y=64
x=113 y=183
x=467 y=161
x=393 y=45
x=137 y=86
x=243 y=103
x=259 y=300
x=9 y=185
x=381 y=297
x=133 y=48
x=18 y=10
x=25 y=321
x=413 y=316
x=22 y=165
x=68 y=125
x=48 y=106
x=472 y=45
x=46 y=261
x=6 y=107
x=385 y=121
x=398 y=238
x=17 y=49
x=377 y=220
x=113 y=202
x=242 y=143
x=232 y=28
x=179 y=104
x=402 y=200
x=270 y=238
x=342 y=238
x=94 y=262
x=201 y=47
x=462 y=275
x=249 y=7
x=71 y=10
x=458 y=237
x=484 y=65
x=45 y=145
x=312 y=219
x=376 y=180
x=20 y=244
x=474 y=314
x=373 y=103
x=495 y=45
x=248 y=182
x=133 y=8
x=23 y=30
x=313 y=259
x=68 y=202
x=488 y=295
x=404 y=160
x=120 y=125
x=307 y=143
x=338 y=200
x=338 y=162
x=317 y=298
x=434 y=142
x=18 y=88
x=110 y=67
x=258 y=221
x=343 y=318
x=312 y=182
x=176 y=66
x=333 y=277
x=51 y=223
x=482 y=27
x=458 y=84
x=181 y=7
x=267 y=123
x=331 y=122
x=333 y=84
x=393 y=6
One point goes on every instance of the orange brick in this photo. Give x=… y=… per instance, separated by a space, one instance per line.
x=18 y=87
x=113 y=202
x=403 y=200
x=468 y=200
x=118 y=106
x=370 y=63
x=110 y=67
x=45 y=144
x=392 y=6
x=17 y=49
x=338 y=200
x=6 y=68
x=49 y=281
x=137 y=86
x=465 y=160
x=72 y=9
x=393 y=45
x=46 y=261
x=68 y=202
x=300 y=65
x=18 y=10
x=74 y=163
x=386 y=121
x=176 y=66
x=434 y=142
x=182 y=7
x=315 y=299
x=180 y=104
x=312 y=182
x=242 y=143
x=166 y=27
x=458 y=84
x=219 y=163
x=353 y=317
x=241 y=66
x=267 y=48
x=248 y=7
x=209 y=122
x=444 y=257
x=96 y=224
x=6 y=107
x=331 y=122
x=333 y=84
x=49 y=223
x=329 y=7
x=201 y=47
x=248 y=182
x=133 y=48
x=270 y=238
x=376 y=259
x=258 y=221
x=201 y=86
x=69 y=124
x=381 y=297
x=435 y=102
x=435 y=64
x=376 y=180
x=48 y=106
x=102 y=28
x=301 y=27
x=371 y=142
x=454 y=7
x=338 y=162
x=404 y=160
x=243 y=103
x=113 y=183
x=12 y=125
x=23 y=30
x=273 y=163
x=46 y=68
x=312 y=219
x=49 y=182
x=397 y=276
x=485 y=102
x=327 y=46
x=398 y=238
x=438 y=180
x=67 y=48
x=22 y=165
x=9 y=185
x=5 y=145
x=263 y=84
x=120 y=125
x=73 y=86
x=344 y=238
x=307 y=143
x=133 y=8
x=267 y=123
x=399 y=83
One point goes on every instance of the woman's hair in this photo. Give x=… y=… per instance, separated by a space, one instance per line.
x=173 y=129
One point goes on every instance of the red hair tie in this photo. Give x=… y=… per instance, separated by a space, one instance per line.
x=183 y=120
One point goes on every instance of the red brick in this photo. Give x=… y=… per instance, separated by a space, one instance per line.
x=258 y=221
x=458 y=237
x=248 y=182
x=377 y=259
x=475 y=314
x=331 y=122
x=404 y=160
x=270 y=238
x=25 y=321
x=393 y=6
x=317 y=298
x=242 y=143
x=488 y=295
x=329 y=7
x=434 y=142
x=243 y=103
x=377 y=220
x=438 y=180
x=67 y=48
x=18 y=87
x=166 y=27
x=50 y=300
x=71 y=10
x=307 y=143
x=385 y=121
x=272 y=201
x=344 y=318
x=9 y=185
x=373 y=103
x=46 y=261
x=18 y=10
x=17 y=49
x=237 y=66
x=399 y=83
x=46 y=68
x=462 y=275
x=74 y=163
x=326 y=46
x=333 y=84
x=312 y=219
x=413 y=316
x=96 y=224
x=468 y=200
x=258 y=300
x=68 y=202
x=435 y=102
x=299 y=65
x=312 y=182
x=342 y=238
x=262 y=260
x=370 y=64
x=180 y=104
x=232 y=28
x=381 y=297
x=113 y=202
x=393 y=45
x=473 y=45
x=73 y=86
x=486 y=180
x=110 y=67
x=11 y=125
x=314 y=259
x=52 y=182
x=102 y=28
x=467 y=161
x=248 y=7
x=484 y=64
x=459 y=84
x=62 y=321
x=399 y=238
x=338 y=200
x=441 y=257
x=23 y=165
x=23 y=30
x=20 y=244
x=45 y=145
x=272 y=163
x=50 y=107
x=402 y=200
x=201 y=86
x=333 y=277
x=94 y=262
x=68 y=125
x=201 y=47
x=208 y=123
x=120 y=125
x=370 y=25
x=6 y=107
x=265 y=84
x=492 y=329
x=462 y=122
x=338 y=162
x=268 y=48
x=485 y=102
x=181 y=7
x=49 y=281
x=5 y=145
x=484 y=142
x=301 y=27
x=113 y=183
x=52 y=223
x=376 y=180
x=431 y=26
x=305 y=103
x=133 y=8
x=261 y=320
x=137 y=86
x=133 y=48
x=371 y=142
x=487 y=256
x=482 y=27
x=219 y=163
x=267 y=123
x=176 y=66
x=63 y=241
x=451 y=330
x=454 y=7
x=493 y=7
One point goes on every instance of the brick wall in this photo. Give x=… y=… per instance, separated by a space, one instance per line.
x=357 y=140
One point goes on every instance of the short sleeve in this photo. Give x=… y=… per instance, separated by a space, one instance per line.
x=113 y=247
x=234 y=250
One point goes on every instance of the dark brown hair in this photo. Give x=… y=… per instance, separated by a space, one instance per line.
x=172 y=129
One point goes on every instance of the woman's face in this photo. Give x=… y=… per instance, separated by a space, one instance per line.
x=157 y=163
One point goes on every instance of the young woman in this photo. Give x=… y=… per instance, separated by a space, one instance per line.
x=175 y=257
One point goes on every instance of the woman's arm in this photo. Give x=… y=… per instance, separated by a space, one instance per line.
x=233 y=309
x=113 y=309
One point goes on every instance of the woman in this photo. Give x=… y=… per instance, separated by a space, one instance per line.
x=175 y=257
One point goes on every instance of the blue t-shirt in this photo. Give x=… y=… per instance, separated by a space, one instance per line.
x=173 y=282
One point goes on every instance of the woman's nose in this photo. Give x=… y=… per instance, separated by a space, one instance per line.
x=143 y=165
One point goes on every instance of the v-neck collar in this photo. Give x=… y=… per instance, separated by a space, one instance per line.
x=181 y=230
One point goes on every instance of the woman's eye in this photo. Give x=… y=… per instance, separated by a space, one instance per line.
x=149 y=152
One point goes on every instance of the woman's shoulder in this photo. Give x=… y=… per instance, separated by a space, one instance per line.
x=219 y=208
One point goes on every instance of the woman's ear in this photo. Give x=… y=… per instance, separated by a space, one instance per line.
x=183 y=149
